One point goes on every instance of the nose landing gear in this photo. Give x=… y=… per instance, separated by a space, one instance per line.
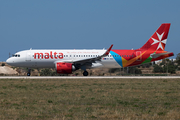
x=29 y=72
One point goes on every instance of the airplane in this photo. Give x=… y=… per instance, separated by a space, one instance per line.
x=67 y=61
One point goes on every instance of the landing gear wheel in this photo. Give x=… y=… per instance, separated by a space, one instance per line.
x=28 y=74
x=85 y=73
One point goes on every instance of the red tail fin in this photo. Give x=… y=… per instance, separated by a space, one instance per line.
x=158 y=40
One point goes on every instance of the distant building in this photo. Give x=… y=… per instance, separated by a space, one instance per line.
x=160 y=61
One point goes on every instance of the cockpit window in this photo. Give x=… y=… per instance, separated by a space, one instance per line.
x=16 y=55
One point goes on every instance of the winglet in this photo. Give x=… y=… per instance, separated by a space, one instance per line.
x=108 y=50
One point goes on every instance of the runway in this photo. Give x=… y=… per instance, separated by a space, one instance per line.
x=89 y=77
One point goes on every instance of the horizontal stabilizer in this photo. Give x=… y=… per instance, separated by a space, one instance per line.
x=160 y=54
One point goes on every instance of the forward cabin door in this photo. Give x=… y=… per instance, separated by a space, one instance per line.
x=28 y=56
x=138 y=53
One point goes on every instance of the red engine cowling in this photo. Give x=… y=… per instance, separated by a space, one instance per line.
x=64 y=68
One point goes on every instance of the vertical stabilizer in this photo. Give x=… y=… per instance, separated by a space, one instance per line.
x=158 y=40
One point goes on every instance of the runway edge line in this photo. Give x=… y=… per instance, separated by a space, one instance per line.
x=89 y=77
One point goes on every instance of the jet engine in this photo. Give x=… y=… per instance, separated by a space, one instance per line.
x=64 y=68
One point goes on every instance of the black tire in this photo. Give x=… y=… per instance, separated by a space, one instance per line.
x=28 y=74
x=85 y=73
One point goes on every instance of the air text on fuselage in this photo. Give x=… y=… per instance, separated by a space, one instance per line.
x=51 y=55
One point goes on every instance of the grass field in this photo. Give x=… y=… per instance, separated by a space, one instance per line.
x=90 y=99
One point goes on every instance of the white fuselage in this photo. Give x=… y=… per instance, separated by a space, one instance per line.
x=48 y=58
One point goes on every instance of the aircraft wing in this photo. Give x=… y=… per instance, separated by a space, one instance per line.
x=159 y=54
x=88 y=61
x=92 y=60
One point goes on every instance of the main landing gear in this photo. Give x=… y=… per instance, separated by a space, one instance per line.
x=29 y=72
x=85 y=73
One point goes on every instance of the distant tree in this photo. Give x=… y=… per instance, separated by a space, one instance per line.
x=146 y=65
x=178 y=59
x=143 y=65
x=50 y=72
x=3 y=64
x=134 y=70
x=167 y=60
x=113 y=70
x=170 y=69
x=46 y=72
x=157 y=69
x=163 y=62
x=138 y=71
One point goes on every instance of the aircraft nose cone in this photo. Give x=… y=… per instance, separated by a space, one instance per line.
x=9 y=61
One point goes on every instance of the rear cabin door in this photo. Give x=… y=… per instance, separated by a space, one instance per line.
x=138 y=55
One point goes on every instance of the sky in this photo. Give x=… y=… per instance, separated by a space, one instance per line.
x=85 y=24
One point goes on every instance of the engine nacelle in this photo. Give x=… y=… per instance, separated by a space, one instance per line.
x=64 y=68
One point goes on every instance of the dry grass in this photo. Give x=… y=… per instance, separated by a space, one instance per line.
x=90 y=99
